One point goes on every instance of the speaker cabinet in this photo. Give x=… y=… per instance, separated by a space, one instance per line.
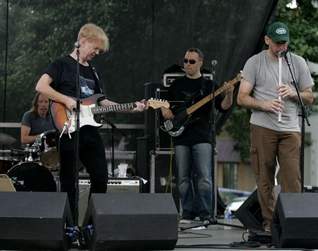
x=295 y=223
x=163 y=175
x=34 y=220
x=132 y=221
x=250 y=214
x=114 y=185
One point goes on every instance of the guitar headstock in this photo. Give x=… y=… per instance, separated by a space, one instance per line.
x=158 y=103
x=233 y=81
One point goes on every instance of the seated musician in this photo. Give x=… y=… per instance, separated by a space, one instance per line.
x=37 y=120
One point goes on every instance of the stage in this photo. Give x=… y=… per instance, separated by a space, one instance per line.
x=215 y=237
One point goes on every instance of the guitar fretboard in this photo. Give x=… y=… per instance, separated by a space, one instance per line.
x=113 y=108
x=209 y=97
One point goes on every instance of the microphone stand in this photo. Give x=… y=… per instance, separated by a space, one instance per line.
x=304 y=116
x=76 y=134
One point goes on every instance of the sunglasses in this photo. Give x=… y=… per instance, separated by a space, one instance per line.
x=190 y=61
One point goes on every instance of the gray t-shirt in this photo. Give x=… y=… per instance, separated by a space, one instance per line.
x=262 y=72
x=36 y=123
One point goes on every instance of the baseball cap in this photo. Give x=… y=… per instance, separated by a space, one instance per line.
x=278 y=32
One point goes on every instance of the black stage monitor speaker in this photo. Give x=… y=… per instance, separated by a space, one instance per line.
x=250 y=214
x=132 y=221
x=114 y=185
x=33 y=220
x=295 y=223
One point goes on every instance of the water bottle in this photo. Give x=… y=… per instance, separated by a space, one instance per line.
x=227 y=218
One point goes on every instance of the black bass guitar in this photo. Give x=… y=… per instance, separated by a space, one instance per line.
x=176 y=126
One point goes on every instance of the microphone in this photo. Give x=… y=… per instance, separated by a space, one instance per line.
x=214 y=62
x=76 y=44
x=282 y=54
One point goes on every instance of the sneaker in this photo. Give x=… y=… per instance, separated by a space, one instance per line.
x=199 y=227
x=185 y=221
x=267 y=229
x=205 y=222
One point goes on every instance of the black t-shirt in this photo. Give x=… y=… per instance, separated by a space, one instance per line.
x=63 y=73
x=185 y=92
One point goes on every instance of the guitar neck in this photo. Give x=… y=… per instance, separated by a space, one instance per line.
x=203 y=101
x=113 y=108
x=212 y=95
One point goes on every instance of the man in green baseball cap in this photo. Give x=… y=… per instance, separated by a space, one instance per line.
x=274 y=123
x=278 y=32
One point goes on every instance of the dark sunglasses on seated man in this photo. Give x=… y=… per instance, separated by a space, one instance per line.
x=190 y=61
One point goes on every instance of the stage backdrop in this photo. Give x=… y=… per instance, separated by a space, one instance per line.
x=146 y=37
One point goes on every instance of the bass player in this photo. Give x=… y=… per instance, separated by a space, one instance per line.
x=193 y=149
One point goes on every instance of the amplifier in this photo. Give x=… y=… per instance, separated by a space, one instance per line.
x=117 y=184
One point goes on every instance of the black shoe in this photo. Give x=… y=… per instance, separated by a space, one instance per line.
x=72 y=233
x=207 y=219
x=85 y=237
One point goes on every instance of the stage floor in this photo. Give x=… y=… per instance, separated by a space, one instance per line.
x=215 y=237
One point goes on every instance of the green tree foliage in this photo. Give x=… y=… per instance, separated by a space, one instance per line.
x=302 y=23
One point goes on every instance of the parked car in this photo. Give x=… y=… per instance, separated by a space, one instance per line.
x=235 y=204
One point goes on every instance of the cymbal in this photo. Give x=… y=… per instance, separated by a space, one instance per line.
x=6 y=139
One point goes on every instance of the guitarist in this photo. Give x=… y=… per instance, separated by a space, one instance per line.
x=193 y=149
x=59 y=84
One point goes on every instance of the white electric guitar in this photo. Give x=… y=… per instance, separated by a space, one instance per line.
x=64 y=119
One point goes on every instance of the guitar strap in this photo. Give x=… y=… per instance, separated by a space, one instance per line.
x=203 y=87
x=203 y=90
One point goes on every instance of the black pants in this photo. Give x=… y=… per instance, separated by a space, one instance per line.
x=91 y=154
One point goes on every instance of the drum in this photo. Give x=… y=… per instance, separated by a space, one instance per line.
x=6 y=161
x=5 y=164
x=32 y=153
x=30 y=176
x=49 y=156
x=18 y=154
